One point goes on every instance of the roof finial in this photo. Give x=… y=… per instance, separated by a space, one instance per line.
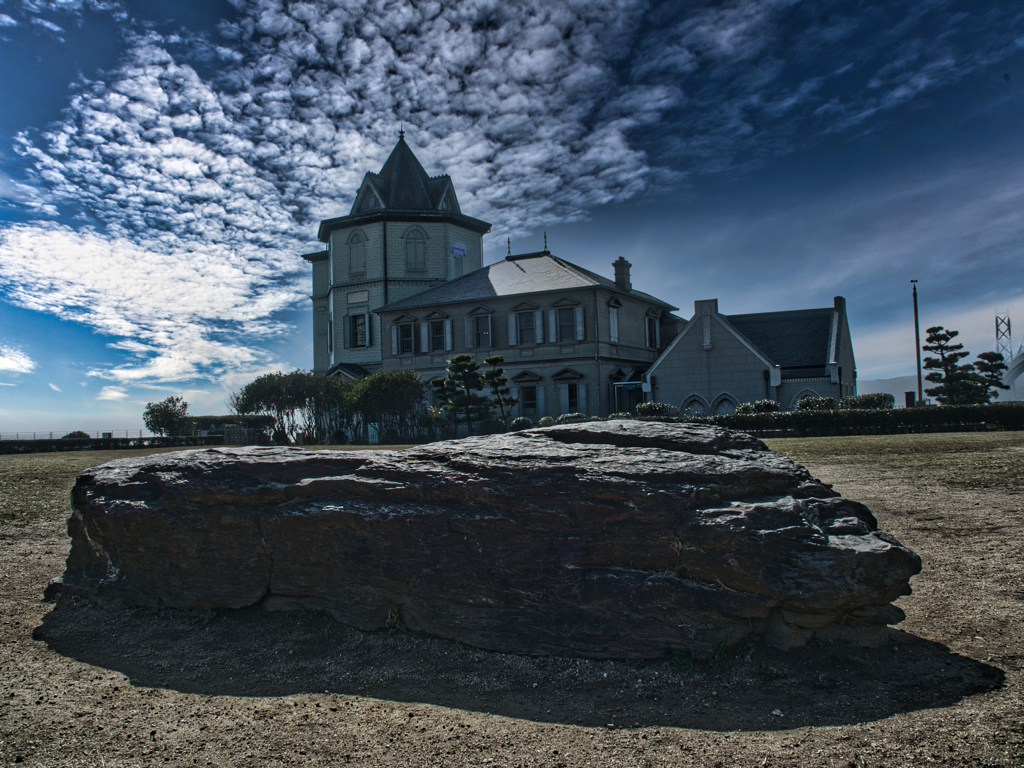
x=510 y=246
x=545 y=241
x=401 y=130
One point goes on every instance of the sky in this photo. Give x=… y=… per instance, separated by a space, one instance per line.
x=163 y=166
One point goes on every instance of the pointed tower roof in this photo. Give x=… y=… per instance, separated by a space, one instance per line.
x=402 y=190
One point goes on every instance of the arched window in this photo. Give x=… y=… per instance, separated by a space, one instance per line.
x=725 y=405
x=695 y=405
x=415 y=251
x=357 y=254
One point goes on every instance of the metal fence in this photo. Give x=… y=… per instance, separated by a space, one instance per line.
x=54 y=434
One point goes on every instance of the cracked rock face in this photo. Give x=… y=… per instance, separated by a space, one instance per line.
x=605 y=539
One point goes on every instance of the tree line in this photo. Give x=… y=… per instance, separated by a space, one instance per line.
x=306 y=408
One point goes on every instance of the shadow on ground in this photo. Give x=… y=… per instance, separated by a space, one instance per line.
x=253 y=653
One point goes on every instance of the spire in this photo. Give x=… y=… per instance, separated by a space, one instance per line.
x=401 y=131
x=545 y=242
x=510 y=246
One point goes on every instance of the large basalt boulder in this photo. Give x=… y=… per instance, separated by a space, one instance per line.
x=610 y=539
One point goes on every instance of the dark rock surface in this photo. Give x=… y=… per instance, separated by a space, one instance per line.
x=605 y=539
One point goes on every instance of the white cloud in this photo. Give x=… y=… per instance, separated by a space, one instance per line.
x=201 y=193
x=15 y=361
x=47 y=25
x=112 y=393
x=7 y=21
x=5 y=384
x=181 y=311
x=55 y=388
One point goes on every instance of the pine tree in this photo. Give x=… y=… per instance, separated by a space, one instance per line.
x=456 y=391
x=957 y=384
x=501 y=395
x=990 y=366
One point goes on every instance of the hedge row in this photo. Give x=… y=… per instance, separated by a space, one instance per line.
x=103 y=443
x=946 y=418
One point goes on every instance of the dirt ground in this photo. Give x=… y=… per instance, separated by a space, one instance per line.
x=81 y=685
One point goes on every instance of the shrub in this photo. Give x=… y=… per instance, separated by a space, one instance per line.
x=492 y=426
x=76 y=435
x=545 y=421
x=657 y=411
x=876 y=401
x=594 y=418
x=571 y=418
x=758 y=406
x=621 y=415
x=522 y=422
x=816 y=404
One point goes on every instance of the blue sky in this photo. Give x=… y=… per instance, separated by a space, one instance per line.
x=164 y=165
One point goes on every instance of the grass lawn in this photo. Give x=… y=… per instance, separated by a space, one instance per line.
x=960 y=459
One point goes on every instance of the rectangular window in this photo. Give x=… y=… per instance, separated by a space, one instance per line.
x=574 y=398
x=437 y=342
x=482 y=331
x=405 y=339
x=652 y=332
x=528 y=400
x=567 y=324
x=357 y=329
x=524 y=323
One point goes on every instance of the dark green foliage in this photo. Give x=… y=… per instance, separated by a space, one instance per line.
x=876 y=401
x=492 y=426
x=808 y=423
x=990 y=367
x=957 y=384
x=168 y=417
x=392 y=401
x=620 y=416
x=496 y=380
x=522 y=422
x=815 y=404
x=77 y=435
x=656 y=411
x=758 y=406
x=456 y=391
x=311 y=409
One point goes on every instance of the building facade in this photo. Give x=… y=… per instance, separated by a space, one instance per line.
x=401 y=285
x=404 y=233
x=719 y=361
x=572 y=341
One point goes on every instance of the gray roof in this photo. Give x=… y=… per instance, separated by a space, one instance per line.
x=522 y=274
x=402 y=184
x=793 y=339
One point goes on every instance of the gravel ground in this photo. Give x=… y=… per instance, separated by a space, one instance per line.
x=92 y=686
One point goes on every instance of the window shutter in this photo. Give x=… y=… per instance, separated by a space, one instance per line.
x=513 y=331
x=581 y=394
x=542 y=406
x=367 y=325
x=538 y=326
x=394 y=340
x=346 y=331
x=613 y=318
x=563 y=398
x=647 y=333
x=552 y=325
x=490 y=332
x=424 y=337
x=514 y=392
x=448 y=335
x=470 y=336
x=579 y=324
x=657 y=334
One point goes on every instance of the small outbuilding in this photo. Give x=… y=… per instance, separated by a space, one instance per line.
x=719 y=361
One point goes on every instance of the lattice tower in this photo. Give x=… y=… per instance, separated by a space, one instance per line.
x=1004 y=339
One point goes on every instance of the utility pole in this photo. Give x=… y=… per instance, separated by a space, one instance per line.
x=917 y=339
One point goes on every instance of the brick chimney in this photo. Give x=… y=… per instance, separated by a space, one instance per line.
x=622 y=274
